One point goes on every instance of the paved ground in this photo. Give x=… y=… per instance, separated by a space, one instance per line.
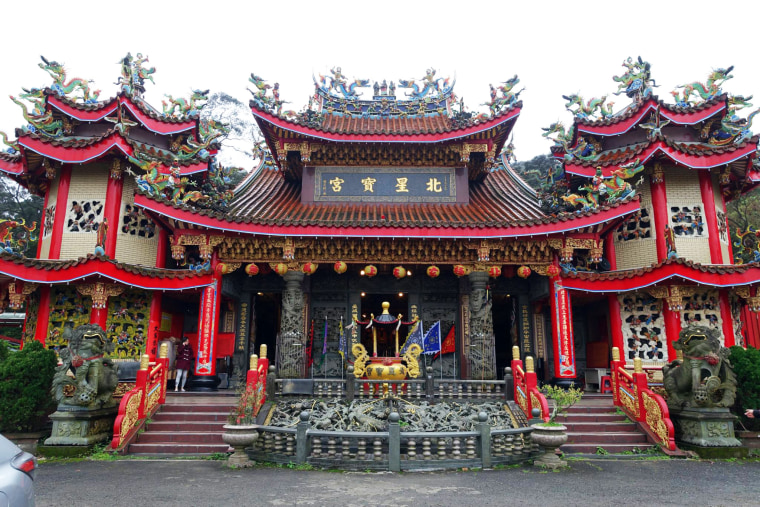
x=209 y=483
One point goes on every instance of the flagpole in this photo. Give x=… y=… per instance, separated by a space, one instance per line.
x=340 y=345
x=440 y=350
x=324 y=350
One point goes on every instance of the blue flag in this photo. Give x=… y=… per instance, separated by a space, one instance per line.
x=432 y=342
x=414 y=336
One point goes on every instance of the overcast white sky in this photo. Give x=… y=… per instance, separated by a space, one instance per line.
x=556 y=48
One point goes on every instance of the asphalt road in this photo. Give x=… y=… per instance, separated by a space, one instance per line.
x=209 y=483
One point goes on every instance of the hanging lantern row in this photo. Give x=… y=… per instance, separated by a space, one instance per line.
x=460 y=270
x=225 y=269
x=251 y=269
x=523 y=271
x=340 y=267
x=370 y=271
x=399 y=272
x=281 y=268
x=494 y=271
x=433 y=271
x=309 y=268
x=552 y=271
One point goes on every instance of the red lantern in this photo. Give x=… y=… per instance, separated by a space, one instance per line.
x=222 y=268
x=309 y=268
x=523 y=271
x=460 y=270
x=552 y=271
x=433 y=271
x=281 y=269
x=494 y=271
x=399 y=272
x=251 y=269
x=370 y=271
x=340 y=267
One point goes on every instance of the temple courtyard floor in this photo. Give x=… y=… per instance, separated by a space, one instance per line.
x=585 y=482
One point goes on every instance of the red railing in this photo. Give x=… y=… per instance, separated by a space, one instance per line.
x=526 y=392
x=143 y=401
x=630 y=392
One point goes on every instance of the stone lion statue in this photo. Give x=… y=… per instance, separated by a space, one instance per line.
x=95 y=377
x=705 y=377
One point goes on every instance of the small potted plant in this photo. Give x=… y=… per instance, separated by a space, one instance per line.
x=552 y=434
x=240 y=432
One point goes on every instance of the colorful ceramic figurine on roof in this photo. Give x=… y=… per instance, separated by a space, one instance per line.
x=636 y=83
x=63 y=87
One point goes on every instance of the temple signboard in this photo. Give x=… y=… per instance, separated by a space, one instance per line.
x=385 y=184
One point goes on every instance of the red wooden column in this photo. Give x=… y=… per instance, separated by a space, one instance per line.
x=208 y=323
x=711 y=218
x=163 y=242
x=43 y=315
x=672 y=328
x=61 y=205
x=99 y=292
x=609 y=250
x=112 y=208
x=728 y=323
x=154 y=324
x=660 y=212
x=42 y=222
x=730 y=259
x=616 y=322
x=562 y=330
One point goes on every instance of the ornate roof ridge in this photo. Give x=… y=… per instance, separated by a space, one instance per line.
x=720 y=269
x=634 y=108
x=140 y=103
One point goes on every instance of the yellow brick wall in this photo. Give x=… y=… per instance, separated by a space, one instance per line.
x=682 y=187
x=87 y=183
x=133 y=249
x=639 y=252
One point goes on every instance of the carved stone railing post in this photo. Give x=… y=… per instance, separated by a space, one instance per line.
x=350 y=384
x=302 y=439
x=509 y=384
x=394 y=442
x=485 y=439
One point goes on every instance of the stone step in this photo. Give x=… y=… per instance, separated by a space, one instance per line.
x=191 y=416
x=176 y=449
x=603 y=439
x=195 y=408
x=591 y=417
x=188 y=426
x=168 y=437
x=590 y=448
x=600 y=427
x=590 y=409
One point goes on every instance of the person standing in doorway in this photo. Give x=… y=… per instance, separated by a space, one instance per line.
x=184 y=362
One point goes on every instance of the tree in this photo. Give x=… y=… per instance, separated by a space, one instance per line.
x=533 y=171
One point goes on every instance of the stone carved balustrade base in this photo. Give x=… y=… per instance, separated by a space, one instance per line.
x=82 y=427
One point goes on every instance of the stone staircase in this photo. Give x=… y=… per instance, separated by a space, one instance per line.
x=592 y=424
x=188 y=424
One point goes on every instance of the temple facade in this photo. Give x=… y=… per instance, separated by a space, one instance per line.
x=384 y=192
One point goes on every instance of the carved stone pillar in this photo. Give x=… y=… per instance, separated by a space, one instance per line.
x=481 y=354
x=292 y=345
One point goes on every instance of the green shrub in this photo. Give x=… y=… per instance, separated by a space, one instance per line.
x=25 y=380
x=746 y=365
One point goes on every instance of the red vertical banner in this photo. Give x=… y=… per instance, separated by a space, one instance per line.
x=207 y=324
x=154 y=324
x=562 y=323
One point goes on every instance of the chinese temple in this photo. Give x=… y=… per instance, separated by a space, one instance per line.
x=384 y=192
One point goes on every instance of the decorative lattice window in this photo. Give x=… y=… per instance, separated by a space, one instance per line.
x=688 y=221
x=702 y=309
x=84 y=216
x=137 y=223
x=637 y=226
x=643 y=328
x=722 y=227
x=49 y=221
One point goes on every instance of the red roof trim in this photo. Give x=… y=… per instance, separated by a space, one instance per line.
x=631 y=280
x=152 y=124
x=15 y=167
x=385 y=138
x=686 y=159
x=564 y=224
x=179 y=280
x=681 y=118
x=81 y=154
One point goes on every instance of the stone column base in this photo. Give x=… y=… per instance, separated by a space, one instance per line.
x=705 y=427
x=82 y=427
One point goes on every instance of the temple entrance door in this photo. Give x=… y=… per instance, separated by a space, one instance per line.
x=267 y=307
x=505 y=334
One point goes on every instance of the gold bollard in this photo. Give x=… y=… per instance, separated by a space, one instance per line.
x=163 y=352
x=516 y=352
x=615 y=354
x=263 y=350
x=254 y=364
x=529 y=364
x=637 y=366
x=144 y=361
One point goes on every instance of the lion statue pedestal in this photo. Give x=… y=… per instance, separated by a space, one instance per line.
x=701 y=387
x=83 y=386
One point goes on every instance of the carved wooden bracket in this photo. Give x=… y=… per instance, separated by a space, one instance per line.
x=100 y=292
